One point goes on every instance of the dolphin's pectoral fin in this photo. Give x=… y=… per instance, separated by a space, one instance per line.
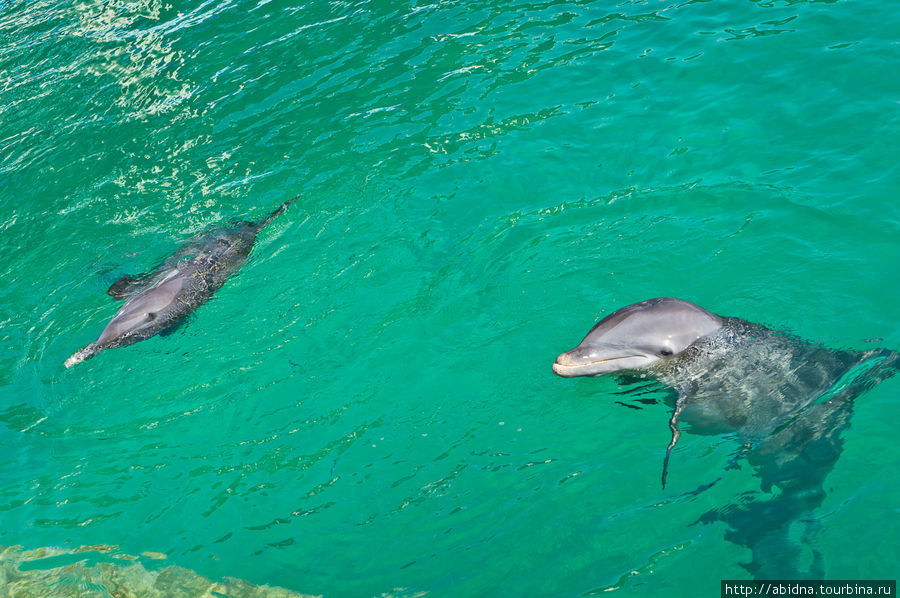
x=174 y=327
x=735 y=461
x=125 y=287
x=168 y=331
x=676 y=434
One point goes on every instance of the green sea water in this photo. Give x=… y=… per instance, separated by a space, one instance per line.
x=368 y=408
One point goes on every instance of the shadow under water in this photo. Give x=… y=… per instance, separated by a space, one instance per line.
x=788 y=401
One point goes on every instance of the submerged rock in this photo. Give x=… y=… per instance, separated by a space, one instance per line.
x=65 y=574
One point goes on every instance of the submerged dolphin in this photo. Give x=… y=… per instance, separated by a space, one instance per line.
x=787 y=400
x=159 y=301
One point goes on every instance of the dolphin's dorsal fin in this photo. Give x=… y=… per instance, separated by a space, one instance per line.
x=676 y=434
x=125 y=287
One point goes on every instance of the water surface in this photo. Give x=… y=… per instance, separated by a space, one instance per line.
x=368 y=407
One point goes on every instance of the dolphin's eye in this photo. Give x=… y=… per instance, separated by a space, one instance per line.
x=151 y=316
x=665 y=352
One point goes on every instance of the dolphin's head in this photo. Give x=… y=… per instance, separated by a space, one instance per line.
x=636 y=336
x=138 y=319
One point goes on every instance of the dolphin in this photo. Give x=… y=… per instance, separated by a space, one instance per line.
x=159 y=301
x=786 y=400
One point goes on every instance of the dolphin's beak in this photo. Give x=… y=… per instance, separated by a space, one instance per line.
x=74 y=359
x=81 y=355
x=589 y=361
x=558 y=369
x=573 y=363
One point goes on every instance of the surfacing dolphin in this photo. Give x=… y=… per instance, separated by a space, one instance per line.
x=787 y=401
x=159 y=301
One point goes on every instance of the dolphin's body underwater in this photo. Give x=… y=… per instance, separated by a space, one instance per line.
x=159 y=301
x=785 y=399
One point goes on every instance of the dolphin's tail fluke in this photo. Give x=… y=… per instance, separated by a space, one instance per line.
x=278 y=211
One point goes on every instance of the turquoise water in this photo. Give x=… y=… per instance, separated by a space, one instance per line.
x=368 y=406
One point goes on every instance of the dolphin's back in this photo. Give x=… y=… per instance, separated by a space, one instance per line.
x=161 y=300
x=748 y=378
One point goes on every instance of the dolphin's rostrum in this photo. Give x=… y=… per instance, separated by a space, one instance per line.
x=160 y=300
x=785 y=399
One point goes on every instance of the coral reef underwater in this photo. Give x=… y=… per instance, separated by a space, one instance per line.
x=104 y=572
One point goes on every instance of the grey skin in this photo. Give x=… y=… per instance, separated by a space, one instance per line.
x=159 y=301
x=637 y=336
x=785 y=399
